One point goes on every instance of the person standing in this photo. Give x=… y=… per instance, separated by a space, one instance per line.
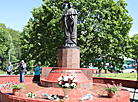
x=37 y=74
x=9 y=69
x=22 y=67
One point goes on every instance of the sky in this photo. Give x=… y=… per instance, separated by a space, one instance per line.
x=16 y=13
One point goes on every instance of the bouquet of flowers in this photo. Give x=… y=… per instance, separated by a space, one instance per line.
x=51 y=97
x=67 y=81
x=13 y=85
x=31 y=95
x=113 y=88
x=86 y=97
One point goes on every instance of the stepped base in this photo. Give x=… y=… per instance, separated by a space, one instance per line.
x=83 y=76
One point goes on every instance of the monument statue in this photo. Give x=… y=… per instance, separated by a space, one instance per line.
x=69 y=21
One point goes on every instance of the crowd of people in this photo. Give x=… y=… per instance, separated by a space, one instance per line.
x=22 y=69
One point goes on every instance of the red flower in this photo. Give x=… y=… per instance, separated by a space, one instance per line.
x=76 y=83
x=67 y=75
x=69 y=81
x=62 y=82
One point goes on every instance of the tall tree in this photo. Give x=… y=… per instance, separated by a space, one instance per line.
x=9 y=42
x=103 y=27
x=5 y=45
x=16 y=53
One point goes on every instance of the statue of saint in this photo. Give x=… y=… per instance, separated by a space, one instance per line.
x=69 y=21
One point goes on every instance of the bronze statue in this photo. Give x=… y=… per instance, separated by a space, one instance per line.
x=69 y=21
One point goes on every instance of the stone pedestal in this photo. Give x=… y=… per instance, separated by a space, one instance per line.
x=69 y=57
x=68 y=63
x=83 y=76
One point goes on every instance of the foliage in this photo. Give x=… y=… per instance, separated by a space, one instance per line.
x=13 y=85
x=103 y=27
x=9 y=42
x=113 y=88
x=2 y=72
x=5 y=45
x=67 y=81
x=31 y=95
x=134 y=45
x=16 y=49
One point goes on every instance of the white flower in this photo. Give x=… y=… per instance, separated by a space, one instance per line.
x=73 y=84
x=65 y=78
x=31 y=95
x=75 y=80
x=66 y=84
x=60 y=83
x=71 y=77
x=60 y=78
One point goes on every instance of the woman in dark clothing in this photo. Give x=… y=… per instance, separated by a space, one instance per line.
x=37 y=74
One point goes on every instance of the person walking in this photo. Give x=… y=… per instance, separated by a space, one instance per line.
x=22 y=67
x=37 y=74
x=9 y=69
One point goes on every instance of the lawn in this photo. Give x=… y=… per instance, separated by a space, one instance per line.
x=2 y=72
x=128 y=76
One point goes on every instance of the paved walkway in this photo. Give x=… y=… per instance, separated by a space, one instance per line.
x=131 y=90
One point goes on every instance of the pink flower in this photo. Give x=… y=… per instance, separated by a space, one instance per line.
x=113 y=81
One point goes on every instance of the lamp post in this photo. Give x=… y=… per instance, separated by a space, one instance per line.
x=9 y=54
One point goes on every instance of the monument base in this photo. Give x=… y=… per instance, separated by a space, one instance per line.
x=83 y=76
x=69 y=56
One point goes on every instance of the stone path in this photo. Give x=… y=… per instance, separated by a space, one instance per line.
x=131 y=90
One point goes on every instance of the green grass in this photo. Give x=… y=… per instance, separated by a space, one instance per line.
x=2 y=72
x=128 y=76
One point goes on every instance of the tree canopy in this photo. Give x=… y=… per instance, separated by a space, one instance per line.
x=103 y=27
x=9 y=42
x=134 y=45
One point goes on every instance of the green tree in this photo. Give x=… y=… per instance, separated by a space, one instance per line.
x=135 y=46
x=9 y=42
x=16 y=46
x=5 y=45
x=103 y=27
